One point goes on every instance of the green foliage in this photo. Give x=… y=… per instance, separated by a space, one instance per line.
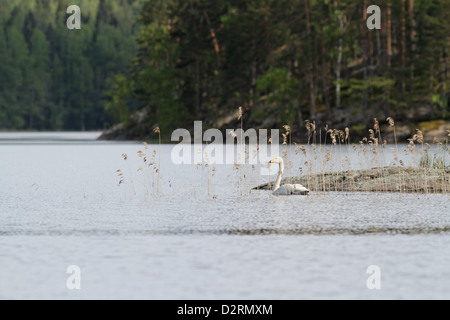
x=189 y=60
x=118 y=95
x=279 y=84
x=278 y=90
x=287 y=58
x=52 y=78
x=434 y=161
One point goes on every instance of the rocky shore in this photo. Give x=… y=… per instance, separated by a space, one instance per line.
x=385 y=179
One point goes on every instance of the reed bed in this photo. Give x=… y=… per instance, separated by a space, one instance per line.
x=148 y=172
x=328 y=161
x=419 y=167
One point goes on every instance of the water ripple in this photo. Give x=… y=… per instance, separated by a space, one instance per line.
x=243 y=232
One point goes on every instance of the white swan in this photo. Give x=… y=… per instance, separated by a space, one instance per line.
x=286 y=189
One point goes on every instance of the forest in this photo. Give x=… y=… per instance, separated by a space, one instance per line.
x=53 y=78
x=167 y=63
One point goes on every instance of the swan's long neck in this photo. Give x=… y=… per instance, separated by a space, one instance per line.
x=280 y=173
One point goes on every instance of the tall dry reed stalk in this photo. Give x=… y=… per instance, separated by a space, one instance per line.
x=323 y=165
x=158 y=173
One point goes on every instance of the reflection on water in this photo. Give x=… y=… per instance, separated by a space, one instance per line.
x=203 y=236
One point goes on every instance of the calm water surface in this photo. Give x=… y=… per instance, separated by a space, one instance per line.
x=201 y=234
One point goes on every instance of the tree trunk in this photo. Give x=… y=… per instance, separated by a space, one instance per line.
x=403 y=45
x=444 y=87
x=214 y=38
x=379 y=58
x=389 y=37
x=312 y=95
x=339 y=56
x=197 y=86
x=253 y=84
x=338 y=71
x=324 y=79
x=364 y=49
x=299 y=112
x=413 y=48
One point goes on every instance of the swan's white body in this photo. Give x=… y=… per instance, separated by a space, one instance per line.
x=286 y=189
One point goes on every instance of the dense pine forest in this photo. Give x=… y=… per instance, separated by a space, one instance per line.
x=53 y=78
x=175 y=61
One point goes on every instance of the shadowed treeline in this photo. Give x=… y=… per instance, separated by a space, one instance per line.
x=283 y=61
x=53 y=78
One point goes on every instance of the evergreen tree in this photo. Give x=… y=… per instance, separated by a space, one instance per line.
x=284 y=61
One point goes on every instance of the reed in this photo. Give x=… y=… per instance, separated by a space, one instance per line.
x=323 y=167
x=125 y=158
x=158 y=175
x=333 y=169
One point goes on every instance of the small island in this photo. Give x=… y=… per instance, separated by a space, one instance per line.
x=384 y=179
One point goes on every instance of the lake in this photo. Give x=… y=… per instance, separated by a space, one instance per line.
x=195 y=231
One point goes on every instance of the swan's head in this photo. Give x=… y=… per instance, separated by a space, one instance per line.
x=276 y=160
